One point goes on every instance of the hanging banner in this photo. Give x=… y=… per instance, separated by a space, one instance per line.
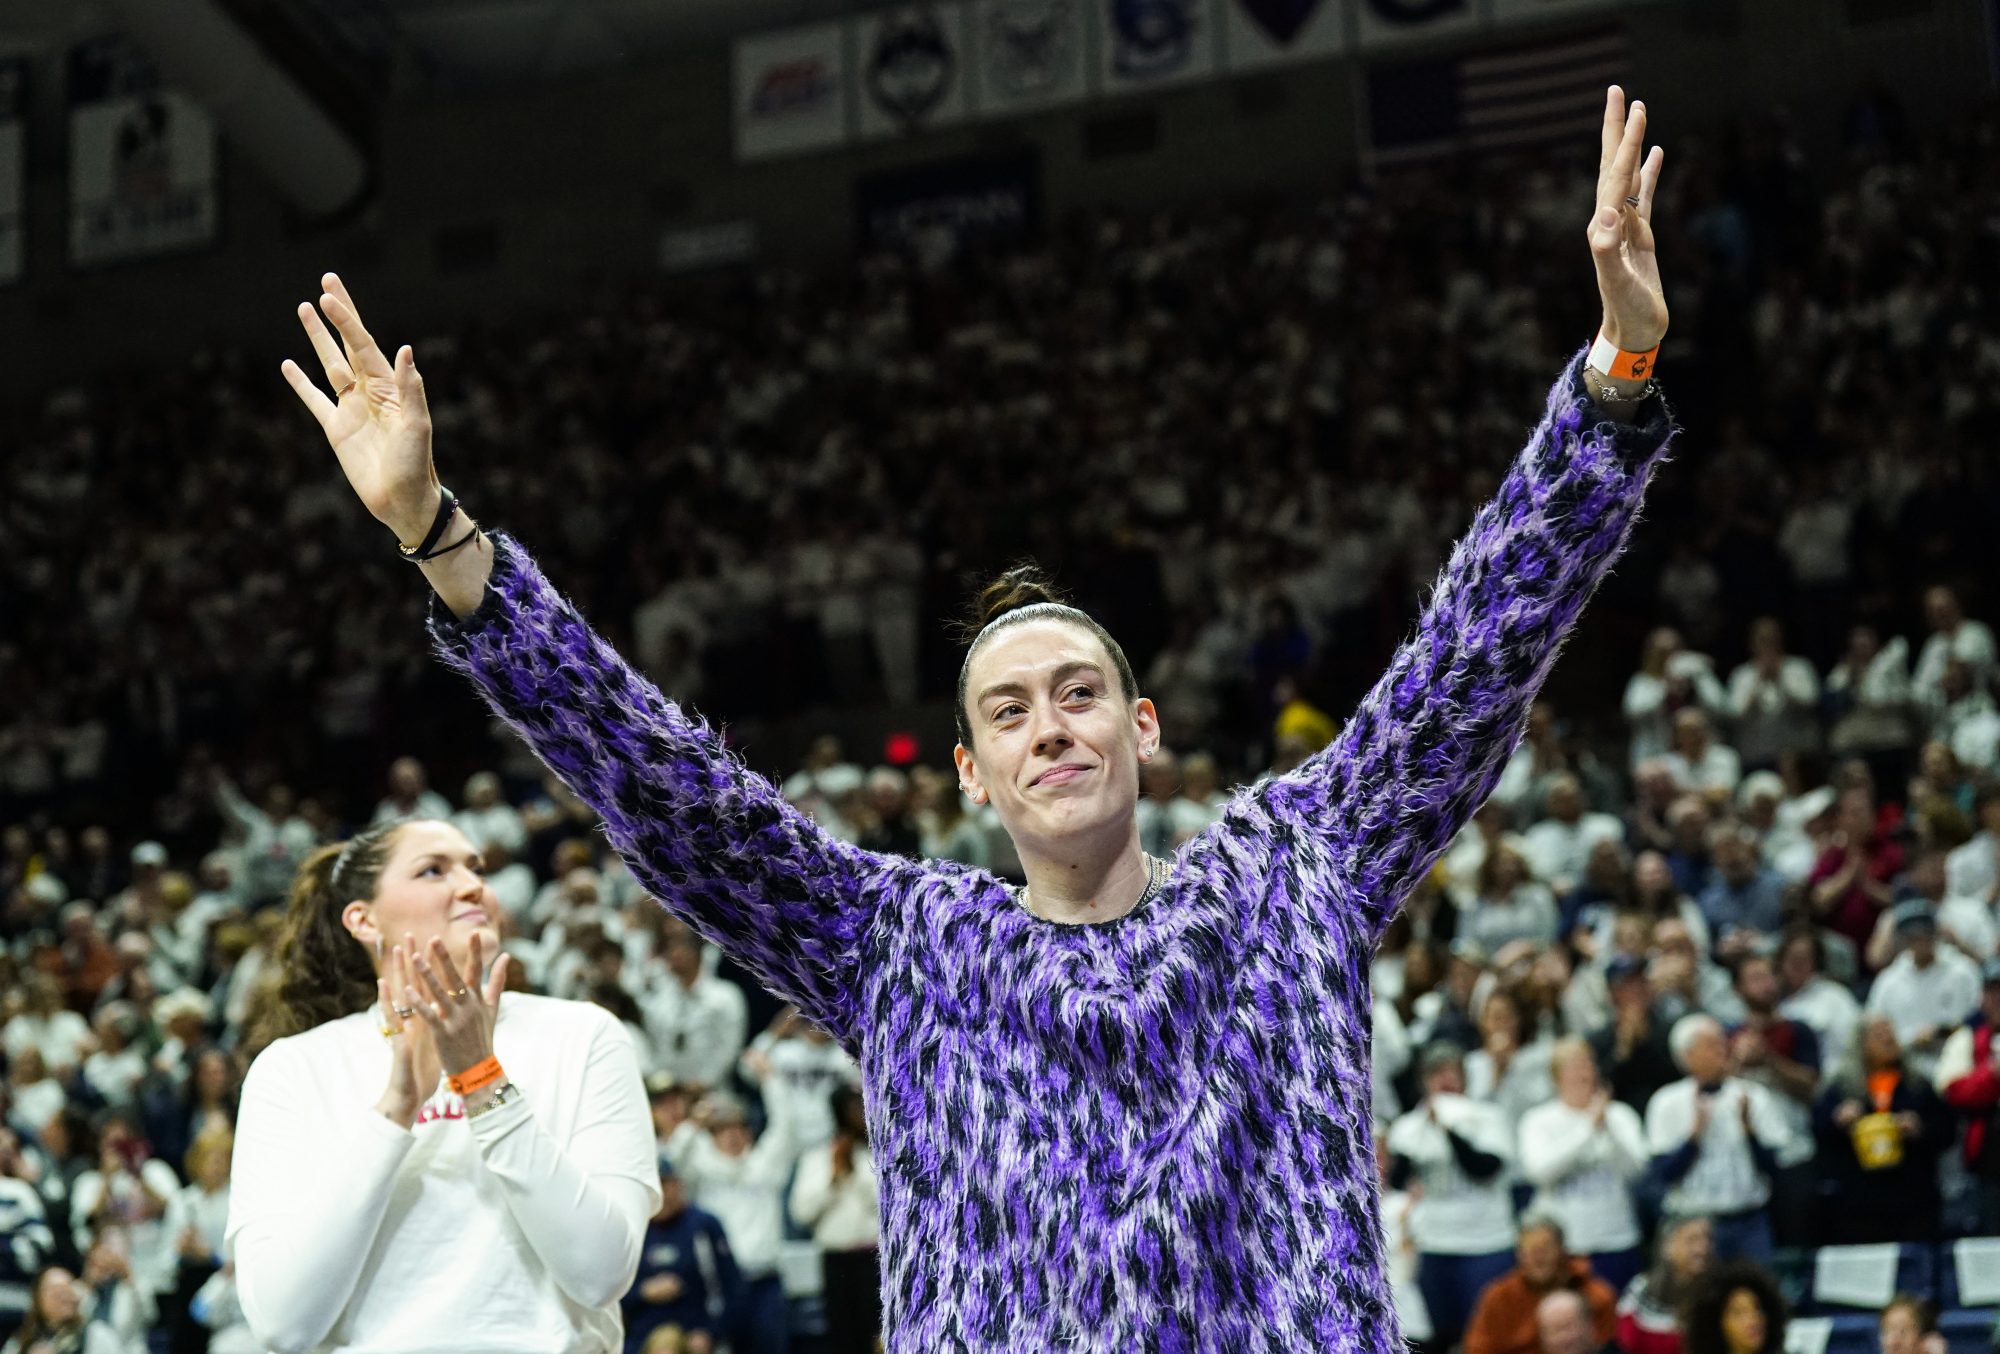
x=912 y=69
x=142 y=160
x=1029 y=53
x=13 y=169
x=1545 y=91
x=1261 y=33
x=941 y=209
x=1386 y=22
x=1148 y=44
x=1514 y=11
x=790 y=91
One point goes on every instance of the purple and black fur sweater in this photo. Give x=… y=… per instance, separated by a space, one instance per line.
x=1151 y=1133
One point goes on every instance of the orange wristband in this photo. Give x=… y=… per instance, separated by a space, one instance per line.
x=476 y=1077
x=1614 y=361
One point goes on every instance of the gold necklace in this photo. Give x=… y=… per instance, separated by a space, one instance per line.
x=1156 y=875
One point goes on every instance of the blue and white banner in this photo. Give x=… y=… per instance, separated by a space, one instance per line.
x=940 y=209
x=1387 y=22
x=790 y=91
x=1148 y=44
x=1523 y=95
x=913 y=69
x=13 y=169
x=142 y=160
x=1031 y=54
x=1261 y=33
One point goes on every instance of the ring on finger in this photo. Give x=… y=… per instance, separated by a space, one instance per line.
x=342 y=392
x=390 y=1031
x=1631 y=201
x=460 y=993
x=406 y=1011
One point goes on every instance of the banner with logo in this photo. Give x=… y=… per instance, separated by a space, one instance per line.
x=1512 y=11
x=912 y=67
x=1152 y=43
x=1387 y=22
x=142 y=160
x=941 y=208
x=1030 y=54
x=13 y=169
x=1261 y=33
x=790 y=91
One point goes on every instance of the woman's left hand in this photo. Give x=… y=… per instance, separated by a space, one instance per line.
x=1621 y=233
x=460 y=1017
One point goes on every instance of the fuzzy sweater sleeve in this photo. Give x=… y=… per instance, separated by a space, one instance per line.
x=1378 y=805
x=711 y=839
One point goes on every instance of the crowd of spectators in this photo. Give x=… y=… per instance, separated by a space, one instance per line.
x=1714 y=971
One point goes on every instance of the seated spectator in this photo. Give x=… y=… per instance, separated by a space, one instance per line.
x=1850 y=880
x=512 y=882
x=686 y=1274
x=741 y=1180
x=1558 y=847
x=1633 y=1050
x=1735 y=1309
x=33 y=1096
x=1535 y=766
x=1649 y=1311
x=1967 y=1075
x=1458 y=1151
x=1563 y=1325
x=119 y=1303
x=1745 y=899
x=129 y=1187
x=1399 y=1252
x=1964 y=717
x=1510 y=1068
x=1509 y=905
x=1700 y=764
x=1929 y=991
x=1881 y=1130
x=1582 y=1151
x=1714 y=1139
x=1773 y=698
x=834 y=1195
x=1909 y=1325
x=1685 y=979
x=1822 y=1005
x=1504 y=1321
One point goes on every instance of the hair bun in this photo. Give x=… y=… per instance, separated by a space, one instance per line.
x=1023 y=585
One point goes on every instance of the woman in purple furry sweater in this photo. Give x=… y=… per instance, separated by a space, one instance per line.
x=1126 y=1108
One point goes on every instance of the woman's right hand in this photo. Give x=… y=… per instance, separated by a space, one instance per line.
x=377 y=420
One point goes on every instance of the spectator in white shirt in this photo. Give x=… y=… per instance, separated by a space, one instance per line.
x=1714 y=1139
x=1868 y=696
x=1964 y=717
x=1952 y=636
x=1822 y=1005
x=1200 y=801
x=1781 y=822
x=1964 y=924
x=1458 y=1150
x=512 y=882
x=1698 y=762
x=741 y=1180
x=1509 y=904
x=1510 y=1068
x=41 y=1022
x=1559 y=847
x=1928 y=992
x=1774 y=698
x=487 y=818
x=1973 y=869
x=834 y=1196
x=1670 y=678
x=1582 y=1150
x=796 y=1067
x=117 y=1066
x=410 y=795
x=697 y=1021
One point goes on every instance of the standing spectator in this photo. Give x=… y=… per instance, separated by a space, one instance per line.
x=275 y=839
x=42 y=1023
x=197 y=1221
x=1509 y=904
x=57 y=1322
x=1504 y=1320
x=1952 y=635
x=410 y=795
x=1868 y=700
x=1816 y=1001
x=488 y=819
x=946 y=829
x=1558 y=848
x=796 y=1067
x=1774 y=698
x=129 y=1187
x=1782 y=1055
x=1457 y=1150
x=1967 y=1075
x=1582 y=1150
x=1510 y=1068
x=26 y=1240
x=128 y=1310
x=1881 y=1131
x=1929 y=991
x=1850 y=880
x=1670 y=679
x=1714 y=1140
x=1633 y=1050
x=1745 y=899
x=741 y=1180
x=1735 y=1309
x=696 y=1021
x=1649 y=1311
x=1698 y=762
x=1399 y=1250
x=1199 y=804
x=686 y=1276
x=1973 y=869
x=834 y=1196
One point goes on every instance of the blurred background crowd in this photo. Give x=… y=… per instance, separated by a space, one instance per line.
x=1711 y=979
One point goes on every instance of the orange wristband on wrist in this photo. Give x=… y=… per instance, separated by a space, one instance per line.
x=1614 y=361
x=476 y=1077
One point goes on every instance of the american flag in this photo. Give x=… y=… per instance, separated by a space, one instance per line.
x=1494 y=99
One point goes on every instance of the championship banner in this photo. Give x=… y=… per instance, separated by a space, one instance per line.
x=912 y=69
x=1515 y=11
x=13 y=168
x=1030 y=54
x=790 y=91
x=1148 y=44
x=142 y=161
x=942 y=208
x=1386 y=22
x=1261 y=33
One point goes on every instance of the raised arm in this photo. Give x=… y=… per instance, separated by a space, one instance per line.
x=1379 y=804
x=709 y=838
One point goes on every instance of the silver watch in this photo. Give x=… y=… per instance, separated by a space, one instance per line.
x=503 y=1094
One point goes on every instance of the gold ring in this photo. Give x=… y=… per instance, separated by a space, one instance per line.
x=460 y=991
x=390 y=1031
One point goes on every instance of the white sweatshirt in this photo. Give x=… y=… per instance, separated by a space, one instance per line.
x=844 y=1215
x=1583 y=1172
x=515 y=1231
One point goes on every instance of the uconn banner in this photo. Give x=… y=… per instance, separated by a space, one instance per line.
x=13 y=167
x=142 y=161
x=940 y=209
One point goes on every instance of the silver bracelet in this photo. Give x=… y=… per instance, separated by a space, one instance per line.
x=1608 y=394
x=506 y=1093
